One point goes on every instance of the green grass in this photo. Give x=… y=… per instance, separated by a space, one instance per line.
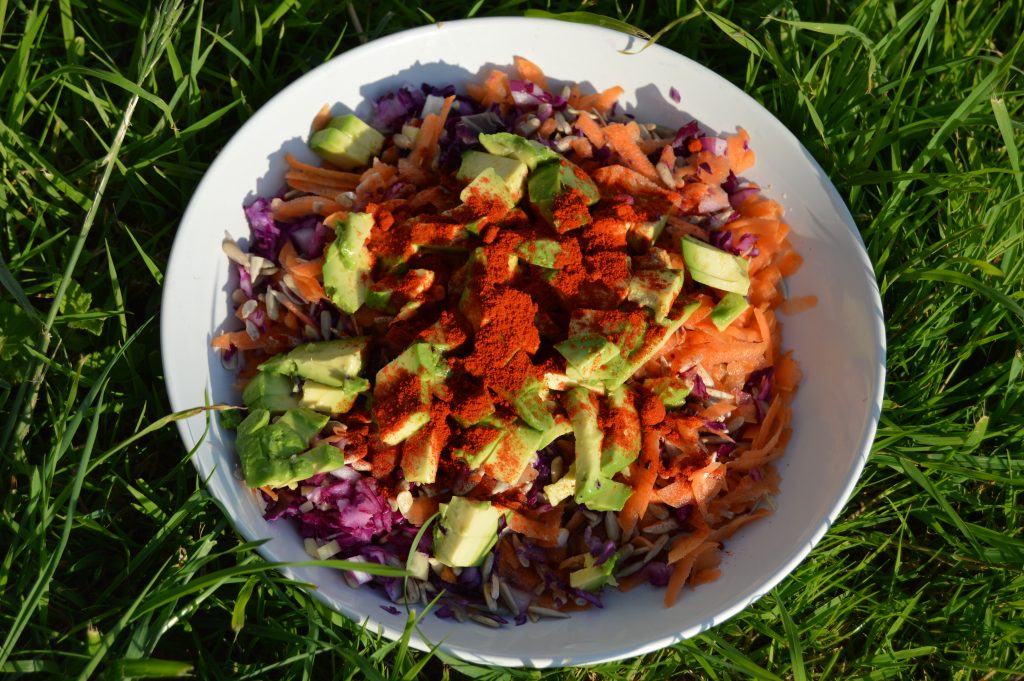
x=118 y=564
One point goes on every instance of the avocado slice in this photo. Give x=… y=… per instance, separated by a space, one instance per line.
x=276 y=453
x=583 y=409
x=550 y=183
x=731 y=306
x=489 y=187
x=609 y=496
x=511 y=171
x=332 y=400
x=656 y=335
x=328 y=362
x=515 y=452
x=347 y=262
x=714 y=267
x=271 y=392
x=466 y=532
x=530 y=404
x=655 y=289
x=513 y=146
x=587 y=353
x=347 y=142
x=563 y=488
x=412 y=284
x=420 y=360
x=562 y=426
x=642 y=235
x=593 y=577
x=672 y=391
x=539 y=252
x=421 y=454
x=489 y=430
x=621 y=443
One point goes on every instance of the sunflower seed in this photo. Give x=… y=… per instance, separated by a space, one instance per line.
x=234 y=253
x=656 y=549
x=460 y=614
x=288 y=293
x=529 y=126
x=248 y=307
x=562 y=125
x=566 y=91
x=401 y=141
x=659 y=511
x=661 y=527
x=508 y=598
x=540 y=588
x=557 y=468
x=547 y=612
x=310 y=333
x=563 y=537
x=628 y=570
x=495 y=587
x=563 y=145
x=611 y=527
x=325 y=324
x=533 y=617
x=412 y=590
x=592 y=518
x=346 y=199
x=484 y=620
x=489 y=599
x=666 y=175
x=645 y=134
x=488 y=564
x=273 y=306
x=625 y=551
x=251 y=329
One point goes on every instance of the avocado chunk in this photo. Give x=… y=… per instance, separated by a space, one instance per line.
x=539 y=252
x=466 y=532
x=593 y=577
x=553 y=184
x=731 y=306
x=276 y=453
x=672 y=391
x=563 y=488
x=530 y=404
x=714 y=267
x=347 y=262
x=514 y=453
x=655 y=289
x=488 y=432
x=621 y=443
x=511 y=171
x=331 y=363
x=610 y=496
x=583 y=409
x=513 y=146
x=655 y=337
x=271 y=392
x=489 y=187
x=332 y=400
x=642 y=235
x=421 y=454
x=417 y=367
x=587 y=352
x=384 y=294
x=347 y=142
x=561 y=426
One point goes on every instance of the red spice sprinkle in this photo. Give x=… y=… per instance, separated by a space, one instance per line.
x=653 y=411
x=570 y=210
x=399 y=401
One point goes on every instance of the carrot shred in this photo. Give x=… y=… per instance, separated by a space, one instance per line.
x=793 y=306
x=766 y=333
x=622 y=139
x=286 y=211
x=321 y=119
x=683 y=546
x=681 y=573
x=422 y=508
x=299 y=314
x=269 y=491
x=544 y=528
x=529 y=71
x=643 y=477
x=334 y=176
x=591 y=130
x=303 y=183
x=730 y=528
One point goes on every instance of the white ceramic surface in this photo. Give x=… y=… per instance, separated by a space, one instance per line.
x=840 y=344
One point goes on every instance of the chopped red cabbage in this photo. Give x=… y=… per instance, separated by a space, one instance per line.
x=674 y=94
x=266 y=234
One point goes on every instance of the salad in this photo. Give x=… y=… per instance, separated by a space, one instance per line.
x=516 y=341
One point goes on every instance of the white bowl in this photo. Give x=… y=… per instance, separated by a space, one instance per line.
x=840 y=344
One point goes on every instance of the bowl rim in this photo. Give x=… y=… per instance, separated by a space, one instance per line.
x=756 y=590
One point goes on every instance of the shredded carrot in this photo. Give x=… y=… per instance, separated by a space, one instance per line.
x=286 y=211
x=687 y=544
x=681 y=573
x=676 y=494
x=766 y=334
x=422 y=508
x=793 y=306
x=645 y=472
x=544 y=528
x=269 y=491
x=322 y=118
x=602 y=102
x=591 y=130
x=730 y=528
x=717 y=410
x=299 y=314
x=622 y=139
x=764 y=433
x=425 y=147
x=303 y=183
x=531 y=72
x=326 y=174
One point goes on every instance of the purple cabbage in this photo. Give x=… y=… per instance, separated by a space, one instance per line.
x=658 y=573
x=266 y=234
x=392 y=110
x=673 y=93
x=444 y=613
x=244 y=281
x=528 y=94
x=746 y=244
x=390 y=609
x=686 y=133
x=309 y=237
